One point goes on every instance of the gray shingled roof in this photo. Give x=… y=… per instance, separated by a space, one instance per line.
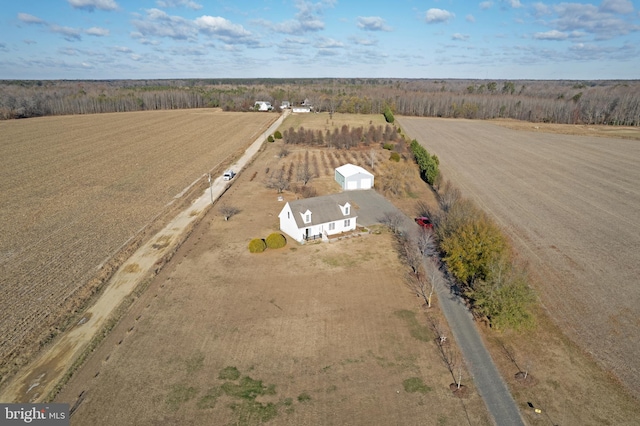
x=323 y=209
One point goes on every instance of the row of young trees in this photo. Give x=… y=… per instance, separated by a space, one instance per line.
x=346 y=137
x=569 y=102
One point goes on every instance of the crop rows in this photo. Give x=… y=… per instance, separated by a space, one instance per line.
x=76 y=189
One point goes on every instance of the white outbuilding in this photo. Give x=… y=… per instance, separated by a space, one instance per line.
x=351 y=177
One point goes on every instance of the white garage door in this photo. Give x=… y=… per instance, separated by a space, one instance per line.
x=366 y=183
x=352 y=184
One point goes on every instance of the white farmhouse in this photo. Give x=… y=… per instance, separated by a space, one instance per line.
x=317 y=217
x=351 y=177
x=262 y=106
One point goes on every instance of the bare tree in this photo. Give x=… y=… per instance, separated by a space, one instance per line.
x=372 y=158
x=304 y=172
x=392 y=220
x=449 y=196
x=410 y=253
x=228 y=211
x=284 y=151
x=426 y=242
x=278 y=181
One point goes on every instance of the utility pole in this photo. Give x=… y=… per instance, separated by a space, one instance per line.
x=210 y=188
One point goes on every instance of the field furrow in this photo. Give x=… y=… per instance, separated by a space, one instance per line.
x=76 y=188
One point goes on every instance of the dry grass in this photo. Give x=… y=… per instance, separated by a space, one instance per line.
x=313 y=334
x=78 y=192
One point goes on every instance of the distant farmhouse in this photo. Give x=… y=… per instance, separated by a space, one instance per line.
x=305 y=106
x=285 y=105
x=318 y=217
x=262 y=106
x=352 y=177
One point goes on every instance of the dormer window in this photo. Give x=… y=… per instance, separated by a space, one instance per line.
x=306 y=216
x=346 y=209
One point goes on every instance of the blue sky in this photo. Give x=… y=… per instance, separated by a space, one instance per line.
x=496 y=39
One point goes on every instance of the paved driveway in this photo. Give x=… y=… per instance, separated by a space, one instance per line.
x=491 y=387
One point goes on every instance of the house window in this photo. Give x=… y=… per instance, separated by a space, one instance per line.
x=346 y=210
x=288 y=216
x=347 y=222
x=332 y=226
x=307 y=218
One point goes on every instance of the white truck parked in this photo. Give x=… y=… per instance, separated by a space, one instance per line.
x=228 y=175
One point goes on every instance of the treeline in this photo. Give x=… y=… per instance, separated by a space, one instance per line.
x=568 y=102
x=346 y=137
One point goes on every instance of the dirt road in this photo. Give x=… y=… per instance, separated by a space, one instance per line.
x=34 y=383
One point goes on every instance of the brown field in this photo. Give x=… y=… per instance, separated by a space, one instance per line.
x=331 y=326
x=80 y=191
x=570 y=205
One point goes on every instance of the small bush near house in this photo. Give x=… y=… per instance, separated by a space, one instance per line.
x=394 y=157
x=277 y=134
x=257 y=245
x=276 y=240
x=270 y=138
x=388 y=146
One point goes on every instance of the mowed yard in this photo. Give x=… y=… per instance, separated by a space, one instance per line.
x=570 y=204
x=77 y=189
x=330 y=329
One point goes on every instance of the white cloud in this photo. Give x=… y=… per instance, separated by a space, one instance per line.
x=364 y=41
x=470 y=18
x=328 y=43
x=225 y=30
x=551 y=35
x=178 y=3
x=69 y=34
x=460 y=37
x=434 y=16
x=159 y=24
x=590 y=19
x=617 y=6
x=30 y=19
x=541 y=9
x=514 y=3
x=486 y=5
x=372 y=23
x=97 y=31
x=92 y=5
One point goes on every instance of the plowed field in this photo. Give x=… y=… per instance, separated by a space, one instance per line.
x=76 y=190
x=570 y=204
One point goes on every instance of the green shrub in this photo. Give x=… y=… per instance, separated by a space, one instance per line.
x=257 y=245
x=277 y=134
x=427 y=163
x=388 y=146
x=388 y=115
x=276 y=240
x=270 y=138
x=394 y=157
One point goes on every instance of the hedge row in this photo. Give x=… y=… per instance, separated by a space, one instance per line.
x=428 y=164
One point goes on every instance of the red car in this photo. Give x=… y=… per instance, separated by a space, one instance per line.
x=425 y=222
